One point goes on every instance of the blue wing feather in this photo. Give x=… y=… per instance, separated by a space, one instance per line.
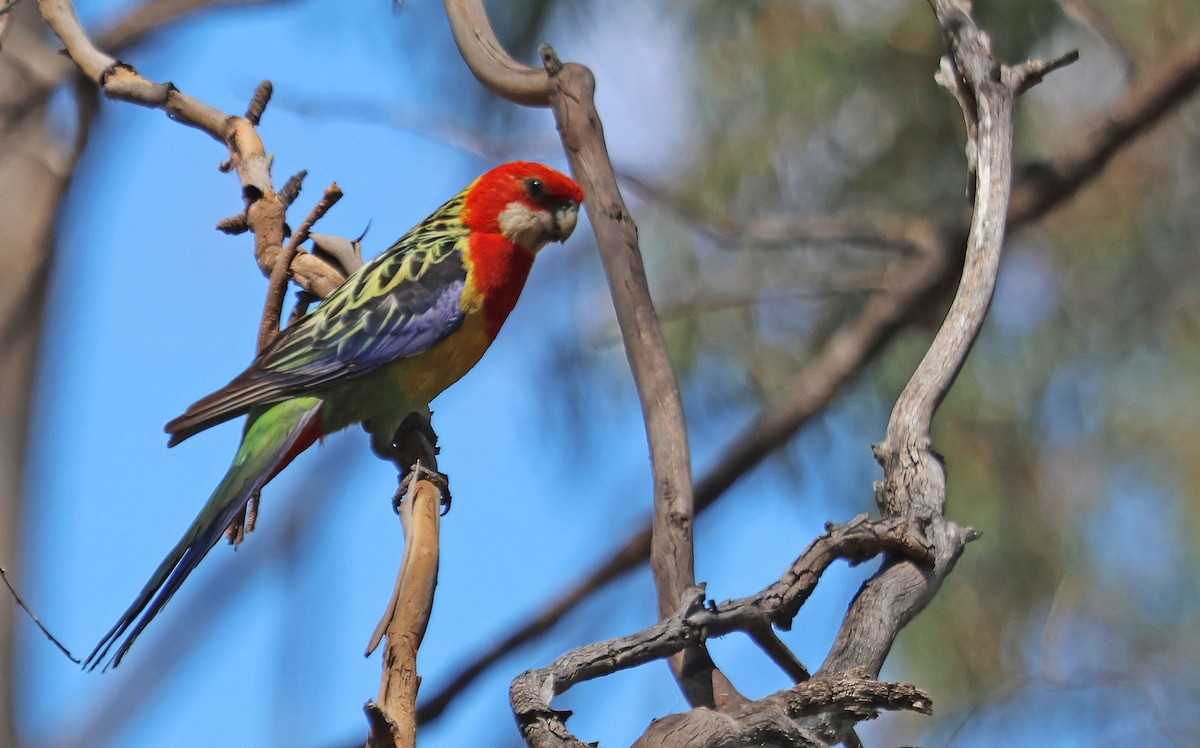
x=400 y=304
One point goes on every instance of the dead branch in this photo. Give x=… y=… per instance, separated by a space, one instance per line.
x=694 y=621
x=572 y=90
x=489 y=62
x=568 y=89
x=265 y=211
x=1038 y=190
x=914 y=477
x=393 y=717
x=839 y=362
x=772 y=720
x=914 y=483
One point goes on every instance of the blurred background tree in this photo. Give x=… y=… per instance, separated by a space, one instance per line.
x=739 y=126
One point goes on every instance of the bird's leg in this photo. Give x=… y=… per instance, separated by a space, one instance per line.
x=413 y=449
x=418 y=471
x=243 y=522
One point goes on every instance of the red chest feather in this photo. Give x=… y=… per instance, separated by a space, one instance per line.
x=498 y=272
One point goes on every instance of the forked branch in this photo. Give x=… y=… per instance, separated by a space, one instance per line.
x=696 y=620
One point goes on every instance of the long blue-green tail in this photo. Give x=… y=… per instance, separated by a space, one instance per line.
x=273 y=438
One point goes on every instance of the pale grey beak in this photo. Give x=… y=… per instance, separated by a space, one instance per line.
x=565 y=219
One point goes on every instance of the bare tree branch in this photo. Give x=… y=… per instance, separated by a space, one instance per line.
x=1048 y=184
x=1038 y=190
x=672 y=549
x=264 y=209
x=839 y=361
x=693 y=622
x=487 y=59
x=772 y=720
x=914 y=483
x=393 y=716
x=568 y=89
x=913 y=489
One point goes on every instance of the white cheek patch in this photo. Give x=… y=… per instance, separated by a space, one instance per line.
x=531 y=229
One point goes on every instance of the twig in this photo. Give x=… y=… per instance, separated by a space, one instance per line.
x=277 y=288
x=247 y=155
x=258 y=102
x=770 y=643
x=291 y=188
x=405 y=621
x=17 y=597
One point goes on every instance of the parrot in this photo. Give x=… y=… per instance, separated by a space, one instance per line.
x=389 y=339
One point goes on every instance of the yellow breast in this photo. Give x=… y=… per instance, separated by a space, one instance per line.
x=423 y=377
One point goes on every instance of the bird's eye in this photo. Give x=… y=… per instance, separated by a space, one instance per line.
x=536 y=189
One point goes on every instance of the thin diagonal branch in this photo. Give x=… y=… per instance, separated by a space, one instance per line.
x=16 y=596
x=1158 y=93
x=281 y=272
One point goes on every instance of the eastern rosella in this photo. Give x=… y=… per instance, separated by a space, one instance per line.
x=393 y=336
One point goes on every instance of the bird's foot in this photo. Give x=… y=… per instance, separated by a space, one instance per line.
x=420 y=472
